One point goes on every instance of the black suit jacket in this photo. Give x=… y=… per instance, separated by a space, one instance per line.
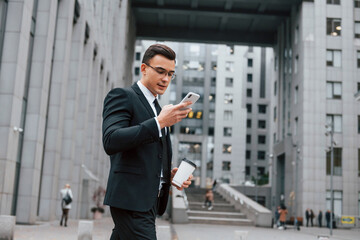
x=131 y=138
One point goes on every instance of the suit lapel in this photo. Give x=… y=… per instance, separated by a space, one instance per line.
x=143 y=99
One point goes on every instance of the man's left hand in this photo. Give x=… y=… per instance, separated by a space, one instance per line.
x=185 y=184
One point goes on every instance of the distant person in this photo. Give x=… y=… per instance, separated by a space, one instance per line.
x=214 y=185
x=283 y=212
x=320 y=218
x=327 y=217
x=307 y=216
x=209 y=199
x=277 y=216
x=312 y=215
x=66 y=199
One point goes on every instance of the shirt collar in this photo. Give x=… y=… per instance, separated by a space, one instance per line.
x=148 y=95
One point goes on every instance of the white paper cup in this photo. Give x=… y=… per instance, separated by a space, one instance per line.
x=186 y=168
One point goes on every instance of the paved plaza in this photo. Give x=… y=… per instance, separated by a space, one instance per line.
x=167 y=231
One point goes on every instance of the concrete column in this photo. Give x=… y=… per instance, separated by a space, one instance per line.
x=55 y=122
x=71 y=109
x=7 y=227
x=34 y=134
x=12 y=83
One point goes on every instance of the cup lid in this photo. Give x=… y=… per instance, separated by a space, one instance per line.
x=190 y=162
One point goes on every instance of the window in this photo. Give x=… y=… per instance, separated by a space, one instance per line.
x=230 y=49
x=358 y=59
x=296 y=126
x=296 y=64
x=296 y=95
x=191 y=130
x=333 y=58
x=337 y=2
x=333 y=26
x=248 y=138
x=211 y=131
x=275 y=88
x=248 y=123
x=250 y=62
x=228 y=99
x=247 y=171
x=249 y=77
x=260 y=171
x=226 y=165
x=211 y=114
x=359 y=162
x=248 y=154
x=229 y=82
x=261 y=139
x=359 y=205
x=262 y=108
x=249 y=108
x=262 y=124
x=213 y=66
x=296 y=37
x=336 y=121
x=337 y=201
x=227 y=148
x=137 y=56
x=229 y=66
x=274 y=114
x=333 y=90
x=137 y=71
x=227 y=131
x=337 y=162
x=212 y=97
x=249 y=92
x=357 y=29
x=228 y=115
x=358 y=124
x=213 y=81
x=357 y=5
x=261 y=155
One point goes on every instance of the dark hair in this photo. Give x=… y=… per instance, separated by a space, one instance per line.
x=158 y=49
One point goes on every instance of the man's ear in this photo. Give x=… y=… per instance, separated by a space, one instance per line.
x=143 y=68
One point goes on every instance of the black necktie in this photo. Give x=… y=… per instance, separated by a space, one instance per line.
x=165 y=164
x=158 y=110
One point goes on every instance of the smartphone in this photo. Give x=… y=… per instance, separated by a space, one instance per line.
x=190 y=97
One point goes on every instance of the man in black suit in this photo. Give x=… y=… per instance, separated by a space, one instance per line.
x=136 y=136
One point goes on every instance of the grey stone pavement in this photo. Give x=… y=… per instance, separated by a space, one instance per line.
x=167 y=231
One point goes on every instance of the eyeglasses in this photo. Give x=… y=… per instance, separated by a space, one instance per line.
x=163 y=72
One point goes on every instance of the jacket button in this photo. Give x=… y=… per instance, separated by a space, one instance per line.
x=160 y=155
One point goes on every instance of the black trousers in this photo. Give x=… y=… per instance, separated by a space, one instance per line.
x=133 y=225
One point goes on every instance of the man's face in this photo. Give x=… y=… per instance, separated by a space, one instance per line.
x=155 y=76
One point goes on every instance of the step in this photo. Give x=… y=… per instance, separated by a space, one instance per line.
x=211 y=213
x=219 y=207
x=222 y=221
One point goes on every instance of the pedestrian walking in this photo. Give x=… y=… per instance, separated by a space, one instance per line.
x=327 y=217
x=277 y=216
x=320 y=218
x=66 y=199
x=209 y=199
x=283 y=212
x=312 y=216
x=307 y=216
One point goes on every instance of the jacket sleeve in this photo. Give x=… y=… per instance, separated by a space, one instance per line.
x=118 y=134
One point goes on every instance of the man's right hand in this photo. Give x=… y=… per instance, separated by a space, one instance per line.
x=171 y=114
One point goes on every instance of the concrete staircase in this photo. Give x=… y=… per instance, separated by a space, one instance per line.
x=222 y=213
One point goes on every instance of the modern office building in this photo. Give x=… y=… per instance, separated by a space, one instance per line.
x=58 y=61
x=317 y=70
